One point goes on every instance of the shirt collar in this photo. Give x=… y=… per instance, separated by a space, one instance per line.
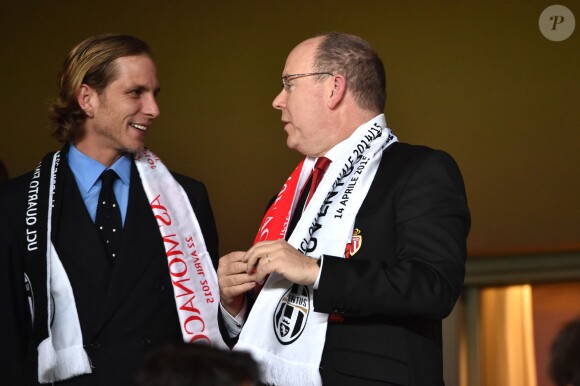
x=87 y=171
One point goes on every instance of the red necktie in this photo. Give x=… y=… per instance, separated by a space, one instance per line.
x=317 y=174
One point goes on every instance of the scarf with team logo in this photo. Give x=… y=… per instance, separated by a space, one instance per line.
x=56 y=325
x=283 y=332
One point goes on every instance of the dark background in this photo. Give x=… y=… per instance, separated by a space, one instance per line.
x=476 y=79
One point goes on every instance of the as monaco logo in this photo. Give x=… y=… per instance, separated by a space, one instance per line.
x=354 y=245
x=291 y=314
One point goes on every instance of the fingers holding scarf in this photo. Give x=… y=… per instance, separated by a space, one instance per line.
x=278 y=256
x=234 y=281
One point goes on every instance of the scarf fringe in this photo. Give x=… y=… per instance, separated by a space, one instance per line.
x=274 y=368
x=46 y=361
x=62 y=364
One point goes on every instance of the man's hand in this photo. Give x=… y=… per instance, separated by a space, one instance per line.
x=278 y=256
x=234 y=281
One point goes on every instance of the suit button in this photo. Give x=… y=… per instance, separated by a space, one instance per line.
x=95 y=346
x=146 y=342
x=159 y=287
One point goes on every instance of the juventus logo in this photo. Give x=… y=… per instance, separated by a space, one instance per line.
x=291 y=314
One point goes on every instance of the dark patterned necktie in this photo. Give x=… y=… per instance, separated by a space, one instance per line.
x=108 y=218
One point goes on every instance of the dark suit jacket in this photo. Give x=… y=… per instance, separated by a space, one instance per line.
x=126 y=309
x=388 y=299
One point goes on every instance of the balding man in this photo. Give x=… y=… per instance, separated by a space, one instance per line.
x=360 y=271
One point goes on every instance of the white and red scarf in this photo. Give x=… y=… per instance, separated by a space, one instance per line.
x=283 y=332
x=55 y=320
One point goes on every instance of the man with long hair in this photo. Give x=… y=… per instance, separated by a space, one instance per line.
x=101 y=247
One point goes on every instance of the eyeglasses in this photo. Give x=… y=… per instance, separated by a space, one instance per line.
x=286 y=78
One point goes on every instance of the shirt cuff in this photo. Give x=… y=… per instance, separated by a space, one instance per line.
x=320 y=261
x=234 y=324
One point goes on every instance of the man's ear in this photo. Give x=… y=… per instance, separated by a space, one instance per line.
x=85 y=99
x=338 y=91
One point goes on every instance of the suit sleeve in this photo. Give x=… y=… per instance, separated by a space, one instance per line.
x=415 y=264
x=16 y=361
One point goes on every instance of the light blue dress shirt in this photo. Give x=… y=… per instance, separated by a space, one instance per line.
x=87 y=172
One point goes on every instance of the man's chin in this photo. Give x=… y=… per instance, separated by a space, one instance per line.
x=136 y=149
x=291 y=144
